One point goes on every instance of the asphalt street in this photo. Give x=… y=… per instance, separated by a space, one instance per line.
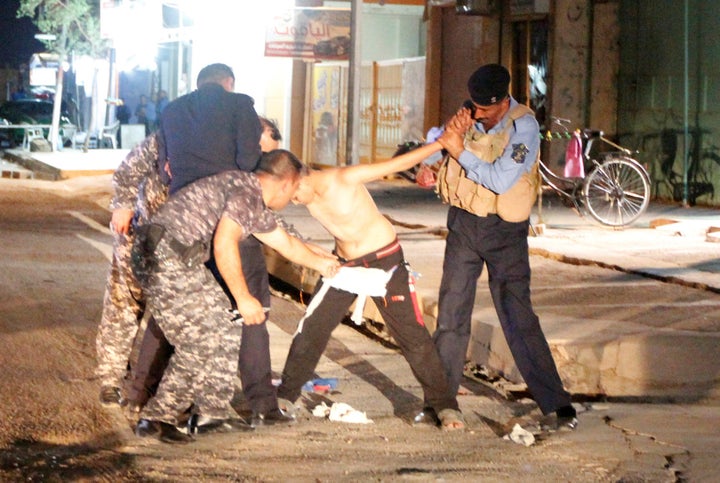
x=643 y=281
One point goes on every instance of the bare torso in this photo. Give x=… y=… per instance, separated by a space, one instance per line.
x=348 y=212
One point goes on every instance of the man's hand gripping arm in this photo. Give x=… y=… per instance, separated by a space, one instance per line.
x=299 y=252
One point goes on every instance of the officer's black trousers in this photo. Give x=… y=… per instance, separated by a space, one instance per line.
x=472 y=242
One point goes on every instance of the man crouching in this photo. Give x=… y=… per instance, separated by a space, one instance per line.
x=190 y=307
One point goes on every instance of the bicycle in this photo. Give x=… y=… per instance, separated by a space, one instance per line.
x=616 y=189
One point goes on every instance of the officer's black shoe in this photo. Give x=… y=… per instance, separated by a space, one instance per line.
x=167 y=433
x=427 y=416
x=221 y=425
x=172 y=435
x=146 y=427
x=111 y=396
x=567 y=418
x=275 y=416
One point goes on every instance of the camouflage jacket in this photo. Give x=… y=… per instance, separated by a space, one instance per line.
x=136 y=182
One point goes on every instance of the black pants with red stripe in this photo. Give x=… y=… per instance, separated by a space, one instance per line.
x=402 y=318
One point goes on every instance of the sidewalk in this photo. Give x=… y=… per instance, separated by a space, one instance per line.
x=671 y=243
x=68 y=163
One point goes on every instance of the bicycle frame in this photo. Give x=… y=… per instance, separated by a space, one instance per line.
x=554 y=181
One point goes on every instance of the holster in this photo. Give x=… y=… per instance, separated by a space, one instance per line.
x=190 y=255
x=145 y=255
x=142 y=254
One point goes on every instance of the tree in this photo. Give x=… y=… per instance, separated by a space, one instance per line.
x=74 y=26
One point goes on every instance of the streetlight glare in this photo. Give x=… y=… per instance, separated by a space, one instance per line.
x=45 y=37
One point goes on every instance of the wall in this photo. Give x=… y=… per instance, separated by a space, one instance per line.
x=570 y=37
x=391 y=32
x=239 y=41
x=654 y=98
x=605 y=65
x=456 y=46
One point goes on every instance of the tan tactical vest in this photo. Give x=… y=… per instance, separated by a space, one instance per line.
x=456 y=189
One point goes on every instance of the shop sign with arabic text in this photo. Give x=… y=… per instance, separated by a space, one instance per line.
x=310 y=33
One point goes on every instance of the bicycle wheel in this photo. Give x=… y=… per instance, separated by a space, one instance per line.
x=617 y=191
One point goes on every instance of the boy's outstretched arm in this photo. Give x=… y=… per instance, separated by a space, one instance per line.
x=364 y=173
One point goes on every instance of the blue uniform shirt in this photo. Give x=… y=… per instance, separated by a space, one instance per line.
x=519 y=156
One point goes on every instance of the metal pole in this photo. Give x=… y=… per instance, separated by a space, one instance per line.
x=110 y=106
x=352 y=147
x=686 y=109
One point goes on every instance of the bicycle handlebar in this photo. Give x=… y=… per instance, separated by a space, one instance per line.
x=587 y=133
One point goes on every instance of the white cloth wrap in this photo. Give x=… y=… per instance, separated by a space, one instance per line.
x=365 y=282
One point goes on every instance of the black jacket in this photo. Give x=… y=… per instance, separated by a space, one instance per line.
x=209 y=131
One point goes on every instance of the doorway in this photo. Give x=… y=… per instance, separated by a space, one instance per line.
x=530 y=65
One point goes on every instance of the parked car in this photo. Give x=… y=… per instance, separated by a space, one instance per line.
x=27 y=111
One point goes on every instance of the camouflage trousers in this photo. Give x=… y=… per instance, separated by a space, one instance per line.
x=192 y=310
x=123 y=307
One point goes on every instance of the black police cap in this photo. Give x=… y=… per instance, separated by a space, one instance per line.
x=489 y=84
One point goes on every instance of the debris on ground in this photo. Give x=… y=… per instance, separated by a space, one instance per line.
x=341 y=413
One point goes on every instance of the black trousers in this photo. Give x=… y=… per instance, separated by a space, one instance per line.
x=472 y=242
x=402 y=317
x=254 y=361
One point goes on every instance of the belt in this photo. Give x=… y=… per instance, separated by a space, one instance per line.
x=383 y=252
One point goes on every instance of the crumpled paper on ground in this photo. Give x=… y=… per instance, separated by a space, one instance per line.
x=341 y=413
x=518 y=435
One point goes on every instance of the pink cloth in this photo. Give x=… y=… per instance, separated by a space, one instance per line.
x=574 y=166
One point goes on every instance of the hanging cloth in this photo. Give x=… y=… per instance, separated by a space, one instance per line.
x=574 y=165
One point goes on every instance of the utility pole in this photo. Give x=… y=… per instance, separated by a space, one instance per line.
x=352 y=155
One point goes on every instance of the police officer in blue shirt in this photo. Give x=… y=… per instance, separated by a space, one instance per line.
x=489 y=178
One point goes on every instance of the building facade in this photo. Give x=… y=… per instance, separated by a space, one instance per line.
x=645 y=73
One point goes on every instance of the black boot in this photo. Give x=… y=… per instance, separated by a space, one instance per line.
x=567 y=418
x=172 y=435
x=203 y=425
x=274 y=416
x=167 y=433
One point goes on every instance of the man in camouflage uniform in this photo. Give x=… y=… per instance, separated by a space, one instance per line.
x=187 y=303
x=139 y=192
x=155 y=351
x=203 y=133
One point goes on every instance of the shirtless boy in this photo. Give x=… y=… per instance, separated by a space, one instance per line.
x=339 y=200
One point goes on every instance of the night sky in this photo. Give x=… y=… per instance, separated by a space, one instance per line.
x=17 y=42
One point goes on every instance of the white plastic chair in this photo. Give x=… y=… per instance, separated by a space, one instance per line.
x=32 y=133
x=67 y=134
x=109 y=133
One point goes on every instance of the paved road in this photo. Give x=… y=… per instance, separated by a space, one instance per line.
x=55 y=248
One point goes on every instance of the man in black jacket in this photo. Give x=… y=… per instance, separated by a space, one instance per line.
x=211 y=130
